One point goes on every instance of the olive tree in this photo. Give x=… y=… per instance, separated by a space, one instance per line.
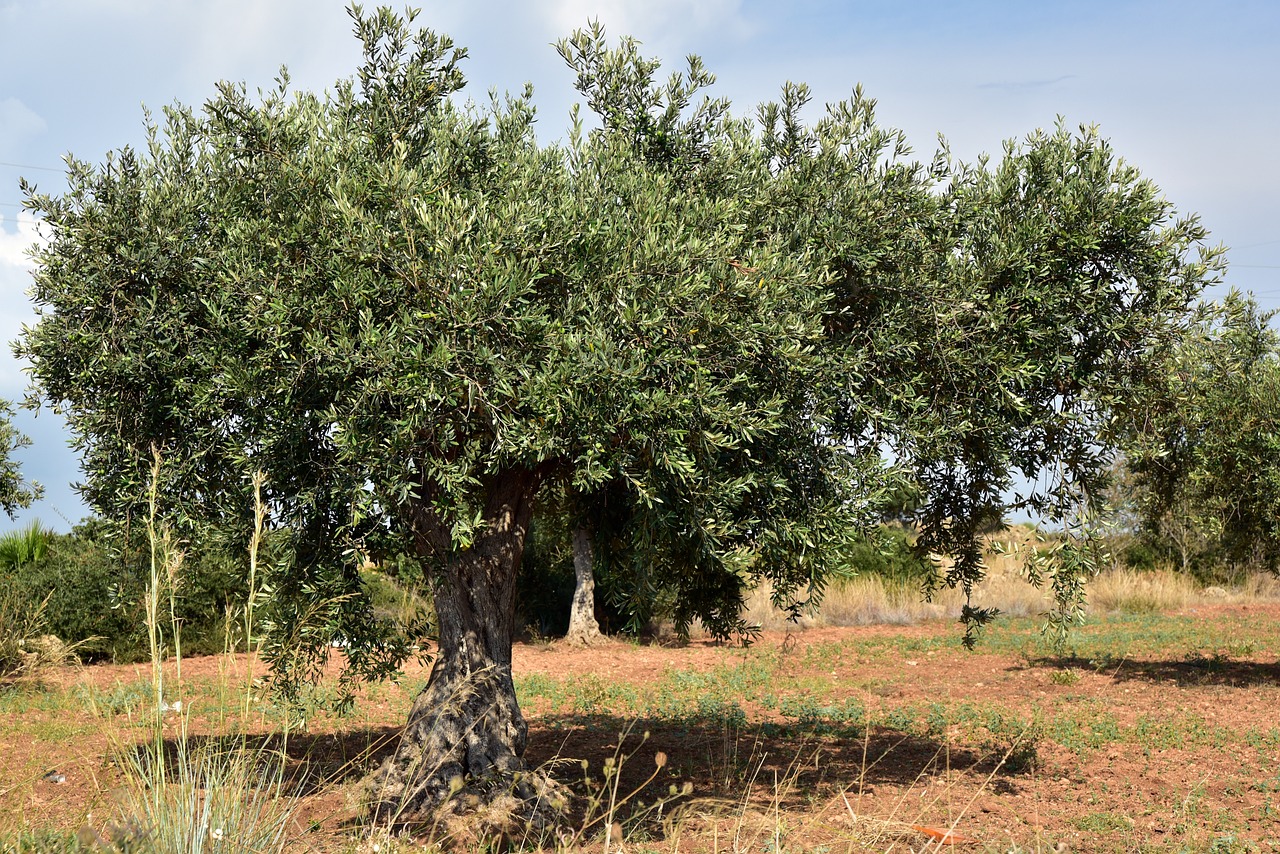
x=1003 y=335
x=415 y=318
x=15 y=491
x=1202 y=445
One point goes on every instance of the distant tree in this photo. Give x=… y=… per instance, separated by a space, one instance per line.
x=417 y=319
x=584 y=629
x=1203 y=451
x=15 y=492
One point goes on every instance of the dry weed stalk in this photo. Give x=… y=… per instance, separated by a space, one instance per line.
x=189 y=796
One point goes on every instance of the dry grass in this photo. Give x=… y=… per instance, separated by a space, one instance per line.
x=1125 y=590
x=871 y=600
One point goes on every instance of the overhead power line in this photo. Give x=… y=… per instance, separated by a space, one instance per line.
x=29 y=166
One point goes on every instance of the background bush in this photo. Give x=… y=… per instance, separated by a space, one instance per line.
x=95 y=589
x=546 y=582
x=888 y=553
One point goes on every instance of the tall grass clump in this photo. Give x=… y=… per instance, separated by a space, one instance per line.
x=874 y=600
x=25 y=649
x=200 y=798
x=1257 y=586
x=185 y=794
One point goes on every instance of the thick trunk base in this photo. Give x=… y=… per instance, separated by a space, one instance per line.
x=461 y=755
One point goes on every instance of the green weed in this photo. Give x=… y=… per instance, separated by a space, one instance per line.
x=1103 y=823
x=40 y=841
x=1085 y=728
x=1067 y=676
x=846 y=718
x=121 y=698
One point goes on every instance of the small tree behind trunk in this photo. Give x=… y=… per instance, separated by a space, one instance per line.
x=584 y=630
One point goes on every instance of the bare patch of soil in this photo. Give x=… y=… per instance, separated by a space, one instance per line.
x=1165 y=744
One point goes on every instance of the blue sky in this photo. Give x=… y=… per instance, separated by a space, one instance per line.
x=1186 y=91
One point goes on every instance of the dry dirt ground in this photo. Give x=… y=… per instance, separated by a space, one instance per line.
x=1153 y=733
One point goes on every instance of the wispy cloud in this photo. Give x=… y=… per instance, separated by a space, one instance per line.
x=18 y=123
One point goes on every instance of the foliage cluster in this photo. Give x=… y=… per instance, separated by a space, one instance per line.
x=890 y=553
x=15 y=491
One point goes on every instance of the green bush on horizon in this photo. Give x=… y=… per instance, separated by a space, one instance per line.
x=95 y=588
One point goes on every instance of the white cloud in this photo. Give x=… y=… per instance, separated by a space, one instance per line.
x=15 y=309
x=49 y=460
x=18 y=123
x=15 y=244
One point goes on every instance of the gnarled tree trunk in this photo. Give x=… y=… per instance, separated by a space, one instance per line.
x=583 y=628
x=463 y=745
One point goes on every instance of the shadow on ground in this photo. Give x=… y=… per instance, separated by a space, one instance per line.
x=314 y=762
x=1198 y=670
x=727 y=765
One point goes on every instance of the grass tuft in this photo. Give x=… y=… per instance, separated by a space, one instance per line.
x=201 y=798
x=179 y=794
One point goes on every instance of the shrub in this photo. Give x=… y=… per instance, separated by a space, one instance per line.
x=890 y=555
x=24 y=546
x=95 y=590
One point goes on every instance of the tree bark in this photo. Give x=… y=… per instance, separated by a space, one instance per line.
x=584 y=630
x=462 y=748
